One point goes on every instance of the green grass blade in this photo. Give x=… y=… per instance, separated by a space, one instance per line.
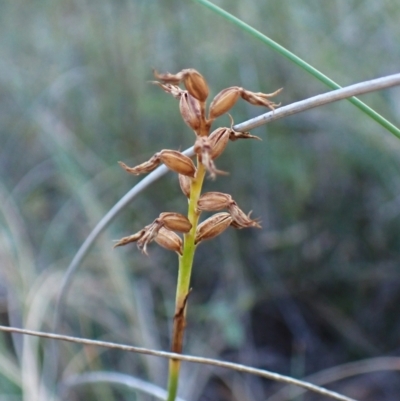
x=301 y=63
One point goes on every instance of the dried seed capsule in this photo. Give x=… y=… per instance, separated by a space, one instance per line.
x=190 y=111
x=185 y=183
x=218 y=140
x=174 y=222
x=260 y=99
x=240 y=219
x=202 y=148
x=177 y=162
x=214 y=201
x=213 y=226
x=195 y=84
x=224 y=101
x=169 y=240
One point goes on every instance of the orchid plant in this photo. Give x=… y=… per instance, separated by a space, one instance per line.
x=208 y=146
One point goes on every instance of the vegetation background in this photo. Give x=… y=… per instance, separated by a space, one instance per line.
x=317 y=287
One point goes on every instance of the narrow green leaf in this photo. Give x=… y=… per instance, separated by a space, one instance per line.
x=301 y=63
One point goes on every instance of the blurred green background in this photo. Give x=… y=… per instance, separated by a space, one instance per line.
x=317 y=287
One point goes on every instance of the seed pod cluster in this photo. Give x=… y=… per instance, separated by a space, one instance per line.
x=160 y=230
x=208 y=147
x=216 y=201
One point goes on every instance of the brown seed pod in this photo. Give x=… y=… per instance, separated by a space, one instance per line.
x=174 y=222
x=214 y=201
x=185 y=183
x=202 y=148
x=195 y=84
x=223 y=102
x=218 y=140
x=169 y=240
x=190 y=111
x=178 y=162
x=213 y=226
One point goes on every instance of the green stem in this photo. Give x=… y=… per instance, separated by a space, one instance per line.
x=301 y=63
x=184 y=274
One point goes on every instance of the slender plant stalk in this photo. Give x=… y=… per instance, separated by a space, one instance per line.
x=183 y=285
x=301 y=63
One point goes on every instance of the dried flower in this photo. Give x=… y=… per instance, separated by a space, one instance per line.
x=234 y=135
x=174 y=222
x=218 y=140
x=240 y=219
x=190 y=111
x=131 y=238
x=203 y=148
x=260 y=99
x=224 y=101
x=185 y=183
x=169 y=240
x=142 y=238
x=174 y=160
x=195 y=84
x=173 y=90
x=214 y=201
x=170 y=220
x=178 y=162
x=213 y=226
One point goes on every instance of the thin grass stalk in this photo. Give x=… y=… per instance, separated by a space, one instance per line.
x=301 y=63
x=188 y=358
